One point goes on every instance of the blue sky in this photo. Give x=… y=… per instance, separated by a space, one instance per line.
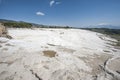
x=75 y=13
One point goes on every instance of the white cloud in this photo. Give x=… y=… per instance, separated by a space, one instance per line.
x=40 y=13
x=51 y=3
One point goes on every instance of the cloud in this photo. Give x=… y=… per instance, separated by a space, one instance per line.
x=52 y=2
x=40 y=13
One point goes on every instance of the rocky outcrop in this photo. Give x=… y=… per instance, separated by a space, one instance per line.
x=4 y=32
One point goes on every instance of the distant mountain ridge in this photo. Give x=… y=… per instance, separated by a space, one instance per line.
x=104 y=26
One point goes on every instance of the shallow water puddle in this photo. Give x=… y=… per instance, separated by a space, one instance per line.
x=49 y=53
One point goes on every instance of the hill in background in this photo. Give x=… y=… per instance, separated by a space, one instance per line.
x=22 y=24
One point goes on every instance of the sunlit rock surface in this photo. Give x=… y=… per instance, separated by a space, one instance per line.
x=58 y=54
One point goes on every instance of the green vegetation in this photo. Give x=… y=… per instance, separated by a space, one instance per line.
x=17 y=24
x=105 y=31
x=21 y=24
x=56 y=27
x=30 y=25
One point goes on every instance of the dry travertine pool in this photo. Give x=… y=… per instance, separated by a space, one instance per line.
x=58 y=54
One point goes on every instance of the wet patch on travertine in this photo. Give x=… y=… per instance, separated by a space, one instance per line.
x=106 y=51
x=46 y=47
x=8 y=63
x=46 y=67
x=3 y=72
x=3 y=41
x=4 y=49
x=49 y=53
x=51 y=30
x=114 y=50
x=61 y=32
x=9 y=44
x=51 y=44
x=95 y=61
x=0 y=46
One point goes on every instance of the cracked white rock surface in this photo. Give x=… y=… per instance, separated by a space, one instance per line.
x=78 y=55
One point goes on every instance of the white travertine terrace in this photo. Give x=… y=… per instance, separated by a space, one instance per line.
x=79 y=55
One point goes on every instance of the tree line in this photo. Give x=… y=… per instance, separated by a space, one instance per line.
x=17 y=24
x=29 y=25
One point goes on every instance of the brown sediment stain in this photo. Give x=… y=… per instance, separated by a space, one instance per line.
x=49 y=53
